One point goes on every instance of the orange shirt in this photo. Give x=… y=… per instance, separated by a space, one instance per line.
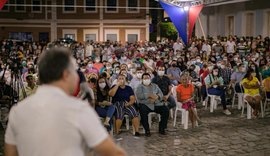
x=98 y=66
x=185 y=93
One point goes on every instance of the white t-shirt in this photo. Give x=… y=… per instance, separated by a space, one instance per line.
x=177 y=46
x=89 y=50
x=51 y=123
x=230 y=47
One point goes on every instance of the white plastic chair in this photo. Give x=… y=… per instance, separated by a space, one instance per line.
x=213 y=100
x=250 y=110
x=150 y=116
x=267 y=100
x=127 y=123
x=184 y=113
x=240 y=98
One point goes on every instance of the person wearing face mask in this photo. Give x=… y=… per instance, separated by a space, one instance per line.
x=115 y=74
x=91 y=69
x=150 y=99
x=104 y=107
x=255 y=68
x=215 y=86
x=251 y=87
x=126 y=74
x=165 y=86
x=136 y=80
x=174 y=73
x=225 y=72
x=123 y=99
x=203 y=74
x=107 y=68
x=124 y=60
x=98 y=65
x=181 y=64
x=237 y=77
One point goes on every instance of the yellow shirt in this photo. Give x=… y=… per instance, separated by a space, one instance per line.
x=251 y=92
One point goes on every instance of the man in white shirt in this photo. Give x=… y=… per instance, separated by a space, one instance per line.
x=178 y=46
x=230 y=46
x=206 y=48
x=88 y=50
x=52 y=122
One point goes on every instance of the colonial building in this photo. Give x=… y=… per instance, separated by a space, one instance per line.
x=81 y=20
x=235 y=17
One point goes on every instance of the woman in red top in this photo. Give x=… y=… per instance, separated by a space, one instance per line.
x=203 y=74
x=185 y=93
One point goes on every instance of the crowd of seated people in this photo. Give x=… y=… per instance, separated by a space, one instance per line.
x=135 y=79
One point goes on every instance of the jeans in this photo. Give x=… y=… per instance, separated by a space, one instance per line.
x=106 y=111
x=204 y=93
x=162 y=110
x=171 y=102
x=219 y=92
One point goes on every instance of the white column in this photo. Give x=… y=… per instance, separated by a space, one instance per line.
x=147 y=31
x=101 y=28
x=54 y=22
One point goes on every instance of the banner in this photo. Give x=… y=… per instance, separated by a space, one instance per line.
x=179 y=17
x=2 y=3
x=193 y=15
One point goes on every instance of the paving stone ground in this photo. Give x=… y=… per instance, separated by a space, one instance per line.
x=219 y=135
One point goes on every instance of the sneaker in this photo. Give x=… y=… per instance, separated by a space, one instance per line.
x=118 y=138
x=203 y=103
x=227 y=112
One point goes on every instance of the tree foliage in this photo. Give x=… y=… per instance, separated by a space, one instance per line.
x=168 y=30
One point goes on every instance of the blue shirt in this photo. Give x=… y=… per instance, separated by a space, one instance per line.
x=122 y=95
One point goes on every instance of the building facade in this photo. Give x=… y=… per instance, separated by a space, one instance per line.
x=81 y=20
x=235 y=17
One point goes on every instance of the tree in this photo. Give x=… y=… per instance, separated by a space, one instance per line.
x=168 y=30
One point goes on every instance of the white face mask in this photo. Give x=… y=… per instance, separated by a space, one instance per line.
x=102 y=85
x=243 y=70
x=210 y=67
x=215 y=73
x=108 y=68
x=139 y=75
x=235 y=59
x=124 y=58
x=90 y=65
x=161 y=73
x=222 y=66
x=117 y=71
x=147 y=82
x=198 y=60
x=97 y=60
x=83 y=70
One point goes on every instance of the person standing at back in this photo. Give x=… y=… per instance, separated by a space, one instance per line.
x=52 y=122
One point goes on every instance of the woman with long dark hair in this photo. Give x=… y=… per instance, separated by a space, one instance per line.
x=215 y=86
x=104 y=107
